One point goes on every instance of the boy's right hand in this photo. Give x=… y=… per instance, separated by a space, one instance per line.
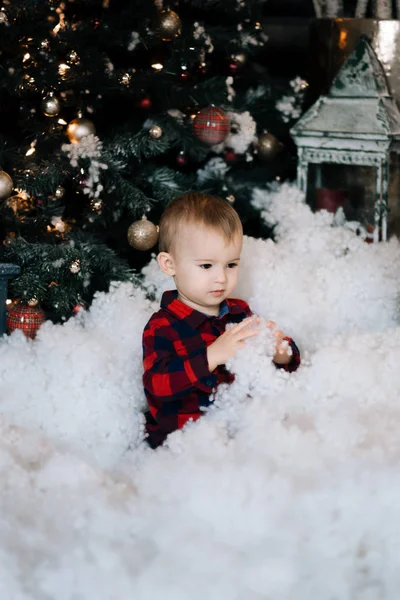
x=226 y=346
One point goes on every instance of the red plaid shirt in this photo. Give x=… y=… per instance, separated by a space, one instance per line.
x=177 y=381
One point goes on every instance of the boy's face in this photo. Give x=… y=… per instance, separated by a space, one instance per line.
x=204 y=266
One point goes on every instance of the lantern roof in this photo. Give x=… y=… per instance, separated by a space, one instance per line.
x=358 y=104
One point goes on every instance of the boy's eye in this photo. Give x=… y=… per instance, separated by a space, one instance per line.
x=232 y=265
x=206 y=266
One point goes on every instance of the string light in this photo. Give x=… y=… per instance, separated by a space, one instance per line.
x=22 y=193
x=157 y=66
x=61 y=23
x=3 y=15
x=63 y=68
x=26 y=57
x=61 y=122
x=32 y=149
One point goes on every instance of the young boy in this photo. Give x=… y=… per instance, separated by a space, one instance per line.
x=185 y=345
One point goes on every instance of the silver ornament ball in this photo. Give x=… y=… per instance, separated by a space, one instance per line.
x=156 y=132
x=59 y=193
x=51 y=106
x=6 y=185
x=75 y=266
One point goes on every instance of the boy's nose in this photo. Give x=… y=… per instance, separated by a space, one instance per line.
x=221 y=276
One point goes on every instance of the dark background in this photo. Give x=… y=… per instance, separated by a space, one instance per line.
x=286 y=22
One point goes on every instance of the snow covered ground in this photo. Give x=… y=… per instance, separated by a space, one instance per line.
x=287 y=489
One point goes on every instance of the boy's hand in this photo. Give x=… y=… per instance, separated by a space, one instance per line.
x=226 y=346
x=283 y=352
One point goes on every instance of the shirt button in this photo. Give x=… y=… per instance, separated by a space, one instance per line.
x=209 y=382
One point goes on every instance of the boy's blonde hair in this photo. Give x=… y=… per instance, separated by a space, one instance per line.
x=198 y=209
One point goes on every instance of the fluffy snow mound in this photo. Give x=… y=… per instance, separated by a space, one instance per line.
x=286 y=489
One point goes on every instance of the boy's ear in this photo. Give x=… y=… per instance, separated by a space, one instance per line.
x=166 y=263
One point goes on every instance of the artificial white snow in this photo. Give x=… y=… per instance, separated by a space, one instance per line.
x=243 y=137
x=199 y=33
x=89 y=147
x=290 y=106
x=134 y=41
x=216 y=167
x=285 y=489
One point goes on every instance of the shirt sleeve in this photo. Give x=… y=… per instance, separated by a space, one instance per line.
x=168 y=375
x=295 y=361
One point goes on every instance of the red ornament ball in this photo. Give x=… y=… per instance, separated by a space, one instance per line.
x=202 y=69
x=144 y=103
x=234 y=65
x=211 y=125
x=184 y=73
x=26 y=318
x=230 y=156
x=78 y=307
x=181 y=159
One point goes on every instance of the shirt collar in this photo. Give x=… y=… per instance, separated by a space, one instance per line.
x=195 y=318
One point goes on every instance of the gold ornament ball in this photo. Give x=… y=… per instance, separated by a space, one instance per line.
x=75 y=266
x=268 y=146
x=59 y=193
x=241 y=58
x=9 y=239
x=51 y=106
x=143 y=235
x=155 y=131
x=79 y=128
x=73 y=58
x=97 y=205
x=6 y=185
x=125 y=78
x=169 y=25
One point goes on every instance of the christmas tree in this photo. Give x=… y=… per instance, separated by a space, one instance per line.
x=110 y=109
